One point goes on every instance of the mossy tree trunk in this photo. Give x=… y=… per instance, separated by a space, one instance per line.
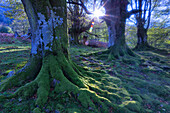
x=142 y=43
x=143 y=17
x=50 y=66
x=142 y=38
x=75 y=18
x=116 y=19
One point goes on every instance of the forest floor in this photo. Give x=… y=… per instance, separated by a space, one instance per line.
x=147 y=83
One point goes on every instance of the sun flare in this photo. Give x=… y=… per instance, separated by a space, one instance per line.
x=97 y=13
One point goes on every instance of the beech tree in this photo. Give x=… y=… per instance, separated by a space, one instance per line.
x=116 y=15
x=50 y=66
x=77 y=15
x=143 y=21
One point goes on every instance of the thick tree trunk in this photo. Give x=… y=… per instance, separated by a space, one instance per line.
x=117 y=11
x=50 y=66
x=142 y=43
x=74 y=35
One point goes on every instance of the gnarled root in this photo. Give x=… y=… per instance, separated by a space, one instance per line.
x=58 y=75
x=26 y=74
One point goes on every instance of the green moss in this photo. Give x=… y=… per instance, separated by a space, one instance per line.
x=37 y=110
x=128 y=61
x=27 y=73
x=124 y=110
x=101 y=92
x=137 y=98
x=2 y=98
x=132 y=105
x=159 y=90
x=27 y=90
x=43 y=82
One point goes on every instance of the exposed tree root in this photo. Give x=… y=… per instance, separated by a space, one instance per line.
x=143 y=47
x=115 y=52
x=26 y=74
x=147 y=47
x=59 y=75
x=62 y=75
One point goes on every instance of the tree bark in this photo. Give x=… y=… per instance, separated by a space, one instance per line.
x=143 y=22
x=142 y=38
x=50 y=66
x=116 y=19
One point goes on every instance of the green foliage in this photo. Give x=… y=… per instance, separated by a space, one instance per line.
x=131 y=37
x=17 y=14
x=5 y=29
x=159 y=37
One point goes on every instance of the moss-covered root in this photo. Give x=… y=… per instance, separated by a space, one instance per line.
x=89 y=99
x=28 y=73
x=117 y=52
x=60 y=75
x=143 y=47
x=43 y=81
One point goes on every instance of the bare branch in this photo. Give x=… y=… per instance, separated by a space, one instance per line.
x=86 y=27
x=133 y=12
x=82 y=5
x=92 y=34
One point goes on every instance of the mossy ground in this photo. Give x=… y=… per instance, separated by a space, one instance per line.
x=132 y=87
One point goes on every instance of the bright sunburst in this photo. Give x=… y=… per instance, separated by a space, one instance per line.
x=97 y=13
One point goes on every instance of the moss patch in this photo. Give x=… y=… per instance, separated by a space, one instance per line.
x=126 y=88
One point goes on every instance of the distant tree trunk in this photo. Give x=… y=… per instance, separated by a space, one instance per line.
x=50 y=70
x=143 y=21
x=142 y=37
x=116 y=19
x=78 y=27
x=74 y=30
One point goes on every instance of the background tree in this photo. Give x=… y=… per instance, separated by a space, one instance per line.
x=158 y=36
x=143 y=20
x=116 y=15
x=79 y=20
x=3 y=19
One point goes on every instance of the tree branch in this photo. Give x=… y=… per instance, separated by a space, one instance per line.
x=86 y=27
x=149 y=15
x=82 y=5
x=93 y=34
x=133 y=12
